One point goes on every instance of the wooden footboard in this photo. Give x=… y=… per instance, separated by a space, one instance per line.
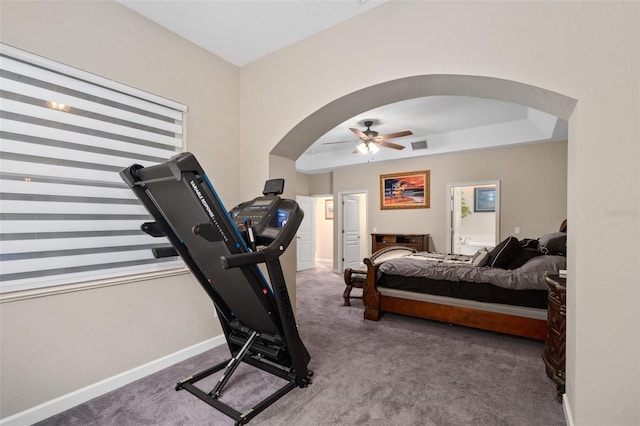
x=370 y=293
x=376 y=303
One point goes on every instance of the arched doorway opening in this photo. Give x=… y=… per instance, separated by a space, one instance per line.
x=298 y=139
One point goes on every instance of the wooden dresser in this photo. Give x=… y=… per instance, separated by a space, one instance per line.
x=420 y=242
x=554 y=353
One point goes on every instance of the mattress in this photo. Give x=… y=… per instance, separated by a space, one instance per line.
x=481 y=292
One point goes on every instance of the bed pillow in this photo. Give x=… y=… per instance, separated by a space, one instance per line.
x=544 y=265
x=480 y=258
x=529 y=243
x=554 y=243
x=502 y=254
x=521 y=258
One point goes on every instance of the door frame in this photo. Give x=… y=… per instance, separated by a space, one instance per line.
x=338 y=229
x=310 y=216
x=449 y=208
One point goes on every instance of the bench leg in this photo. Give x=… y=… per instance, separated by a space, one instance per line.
x=347 y=294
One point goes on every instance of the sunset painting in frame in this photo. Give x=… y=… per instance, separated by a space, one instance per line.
x=409 y=190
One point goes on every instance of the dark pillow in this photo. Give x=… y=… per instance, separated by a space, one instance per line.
x=500 y=256
x=521 y=258
x=529 y=243
x=554 y=243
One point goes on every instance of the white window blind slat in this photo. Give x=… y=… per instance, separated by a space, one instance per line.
x=90 y=124
x=32 y=226
x=56 y=154
x=43 y=134
x=105 y=89
x=56 y=207
x=51 y=189
x=66 y=262
x=91 y=107
x=35 y=170
x=78 y=243
x=58 y=278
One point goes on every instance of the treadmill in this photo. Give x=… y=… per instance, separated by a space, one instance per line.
x=223 y=249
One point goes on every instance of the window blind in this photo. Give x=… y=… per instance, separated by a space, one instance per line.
x=65 y=214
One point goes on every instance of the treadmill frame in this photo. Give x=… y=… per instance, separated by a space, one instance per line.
x=185 y=167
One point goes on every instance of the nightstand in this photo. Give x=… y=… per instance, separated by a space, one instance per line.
x=554 y=354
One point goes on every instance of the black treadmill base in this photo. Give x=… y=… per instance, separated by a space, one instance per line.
x=240 y=418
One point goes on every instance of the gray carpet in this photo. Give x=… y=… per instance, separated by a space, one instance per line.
x=398 y=371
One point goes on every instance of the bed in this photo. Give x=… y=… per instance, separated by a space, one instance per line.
x=501 y=289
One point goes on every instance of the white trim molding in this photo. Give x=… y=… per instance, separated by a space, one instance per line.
x=15 y=296
x=568 y=416
x=70 y=400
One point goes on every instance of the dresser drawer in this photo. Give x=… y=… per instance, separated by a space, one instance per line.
x=556 y=318
x=554 y=350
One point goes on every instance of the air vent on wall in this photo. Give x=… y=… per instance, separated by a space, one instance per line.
x=419 y=145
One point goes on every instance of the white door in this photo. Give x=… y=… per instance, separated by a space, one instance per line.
x=456 y=222
x=306 y=246
x=351 y=231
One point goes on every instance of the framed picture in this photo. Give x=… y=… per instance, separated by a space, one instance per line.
x=328 y=209
x=409 y=190
x=484 y=199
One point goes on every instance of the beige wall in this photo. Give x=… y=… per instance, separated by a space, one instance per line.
x=302 y=184
x=316 y=184
x=280 y=167
x=321 y=183
x=587 y=51
x=536 y=202
x=54 y=345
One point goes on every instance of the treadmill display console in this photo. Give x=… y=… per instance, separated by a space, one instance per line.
x=266 y=216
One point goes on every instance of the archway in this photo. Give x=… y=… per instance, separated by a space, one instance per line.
x=295 y=142
x=283 y=156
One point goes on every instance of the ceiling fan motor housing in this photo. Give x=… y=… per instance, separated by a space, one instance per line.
x=370 y=133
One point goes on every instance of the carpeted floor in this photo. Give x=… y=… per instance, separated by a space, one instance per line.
x=398 y=371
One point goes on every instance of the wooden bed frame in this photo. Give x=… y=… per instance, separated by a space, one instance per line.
x=376 y=303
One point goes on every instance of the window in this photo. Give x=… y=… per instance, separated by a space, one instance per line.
x=65 y=214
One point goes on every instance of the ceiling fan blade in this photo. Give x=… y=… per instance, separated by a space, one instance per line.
x=331 y=143
x=389 y=145
x=356 y=151
x=394 y=135
x=359 y=133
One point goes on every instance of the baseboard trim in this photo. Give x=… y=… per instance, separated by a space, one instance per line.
x=60 y=404
x=566 y=407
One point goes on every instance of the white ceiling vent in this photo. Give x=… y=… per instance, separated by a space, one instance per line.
x=419 y=145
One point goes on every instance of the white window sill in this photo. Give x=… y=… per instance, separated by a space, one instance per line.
x=18 y=295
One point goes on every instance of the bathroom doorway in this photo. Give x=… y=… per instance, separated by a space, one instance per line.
x=473 y=220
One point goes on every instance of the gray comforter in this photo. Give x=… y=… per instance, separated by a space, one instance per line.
x=459 y=268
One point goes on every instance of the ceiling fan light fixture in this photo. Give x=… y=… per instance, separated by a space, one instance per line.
x=370 y=141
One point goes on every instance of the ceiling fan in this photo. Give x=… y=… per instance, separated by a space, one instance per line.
x=370 y=140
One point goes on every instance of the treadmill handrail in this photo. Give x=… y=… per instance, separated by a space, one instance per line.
x=242 y=259
x=271 y=252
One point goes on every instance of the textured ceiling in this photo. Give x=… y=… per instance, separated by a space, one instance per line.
x=243 y=31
